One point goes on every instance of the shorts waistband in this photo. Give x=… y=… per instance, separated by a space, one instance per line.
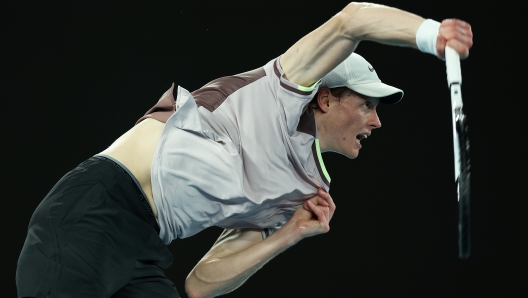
x=143 y=197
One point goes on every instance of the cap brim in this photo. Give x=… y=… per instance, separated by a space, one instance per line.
x=387 y=94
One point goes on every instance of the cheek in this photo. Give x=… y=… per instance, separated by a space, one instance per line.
x=347 y=123
x=346 y=132
x=345 y=126
x=352 y=125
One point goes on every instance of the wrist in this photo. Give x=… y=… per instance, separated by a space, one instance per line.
x=427 y=35
x=287 y=235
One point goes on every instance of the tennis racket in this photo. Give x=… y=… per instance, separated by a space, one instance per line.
x=461 y=150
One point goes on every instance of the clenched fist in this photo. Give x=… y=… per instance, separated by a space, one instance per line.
x=313 y=217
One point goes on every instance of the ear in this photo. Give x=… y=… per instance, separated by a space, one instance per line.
x=323 y=99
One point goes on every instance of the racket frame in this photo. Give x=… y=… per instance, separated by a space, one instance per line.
x=460 y=150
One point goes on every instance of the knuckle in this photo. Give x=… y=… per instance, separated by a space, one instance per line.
x=453 y=33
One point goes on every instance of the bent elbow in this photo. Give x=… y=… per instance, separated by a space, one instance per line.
x=346 y=18
x=352 y=19
x=352 y=7
x=195 y=289
x=192 y=290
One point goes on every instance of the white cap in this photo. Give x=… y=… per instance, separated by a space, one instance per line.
x=359 y=75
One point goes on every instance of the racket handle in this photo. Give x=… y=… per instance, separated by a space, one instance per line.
x=454 y=75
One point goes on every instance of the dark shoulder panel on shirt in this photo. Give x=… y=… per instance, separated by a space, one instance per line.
x=214 y=93
x=163 y=109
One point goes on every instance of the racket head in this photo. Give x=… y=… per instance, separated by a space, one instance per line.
x=463 y=189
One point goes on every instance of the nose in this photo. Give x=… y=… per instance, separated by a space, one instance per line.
x=374 y=120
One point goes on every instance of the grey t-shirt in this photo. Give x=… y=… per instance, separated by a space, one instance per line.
x=240 y=152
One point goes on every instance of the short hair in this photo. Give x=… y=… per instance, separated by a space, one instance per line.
x=337 y=92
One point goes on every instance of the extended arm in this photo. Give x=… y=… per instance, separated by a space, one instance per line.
x=238 y=254
x=323 y=49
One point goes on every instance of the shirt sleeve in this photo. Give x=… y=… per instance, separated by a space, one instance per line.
x=292 y=97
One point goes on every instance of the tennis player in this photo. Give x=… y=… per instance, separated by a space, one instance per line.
x=243 y=153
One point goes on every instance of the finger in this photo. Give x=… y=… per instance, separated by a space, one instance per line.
x=456 y=22
x=322 y=202
x=326 y=212
x=331 y=205
x=461 y=48
x=470 y=31
x=328 y=209
x=440 y=46
x=323 y=194
x=313 y=199
x=318 y=212
x=465 y=31
x=457 y=34
x=325 y=208
x=321 y=223
x=450 y=29
x=306 y=207
x=465 y=37
x=462 y=24
x=304 y=213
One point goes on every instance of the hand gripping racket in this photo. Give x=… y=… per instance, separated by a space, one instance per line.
x=461 y=150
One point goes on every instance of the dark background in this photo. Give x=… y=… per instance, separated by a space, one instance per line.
x=78 y=74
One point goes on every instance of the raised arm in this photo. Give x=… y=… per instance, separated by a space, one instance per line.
x=238 y=254
x=323 y=49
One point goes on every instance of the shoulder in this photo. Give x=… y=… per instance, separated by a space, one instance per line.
x=214 y=93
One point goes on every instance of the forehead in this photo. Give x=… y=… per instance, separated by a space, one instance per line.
x=361 y=97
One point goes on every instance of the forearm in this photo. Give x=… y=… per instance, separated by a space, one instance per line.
x=383 y=24
x=323 y=49
x=238 y=254
x=220 y=273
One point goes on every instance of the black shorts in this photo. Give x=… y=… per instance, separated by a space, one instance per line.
x=94 y=235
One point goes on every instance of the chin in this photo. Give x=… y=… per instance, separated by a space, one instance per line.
x=351 y=155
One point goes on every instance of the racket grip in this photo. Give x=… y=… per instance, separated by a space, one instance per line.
x=454 y=75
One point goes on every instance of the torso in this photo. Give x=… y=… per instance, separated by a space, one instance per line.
x=135 y=150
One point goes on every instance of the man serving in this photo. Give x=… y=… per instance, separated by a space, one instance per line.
x=243 y=153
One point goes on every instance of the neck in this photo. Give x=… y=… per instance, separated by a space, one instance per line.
x=320 y=123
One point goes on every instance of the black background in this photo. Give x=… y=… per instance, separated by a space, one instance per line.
x=78 y=74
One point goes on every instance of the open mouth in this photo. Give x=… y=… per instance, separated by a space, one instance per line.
x=361 y=136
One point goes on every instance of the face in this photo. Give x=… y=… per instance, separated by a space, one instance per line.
x=346 y=122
